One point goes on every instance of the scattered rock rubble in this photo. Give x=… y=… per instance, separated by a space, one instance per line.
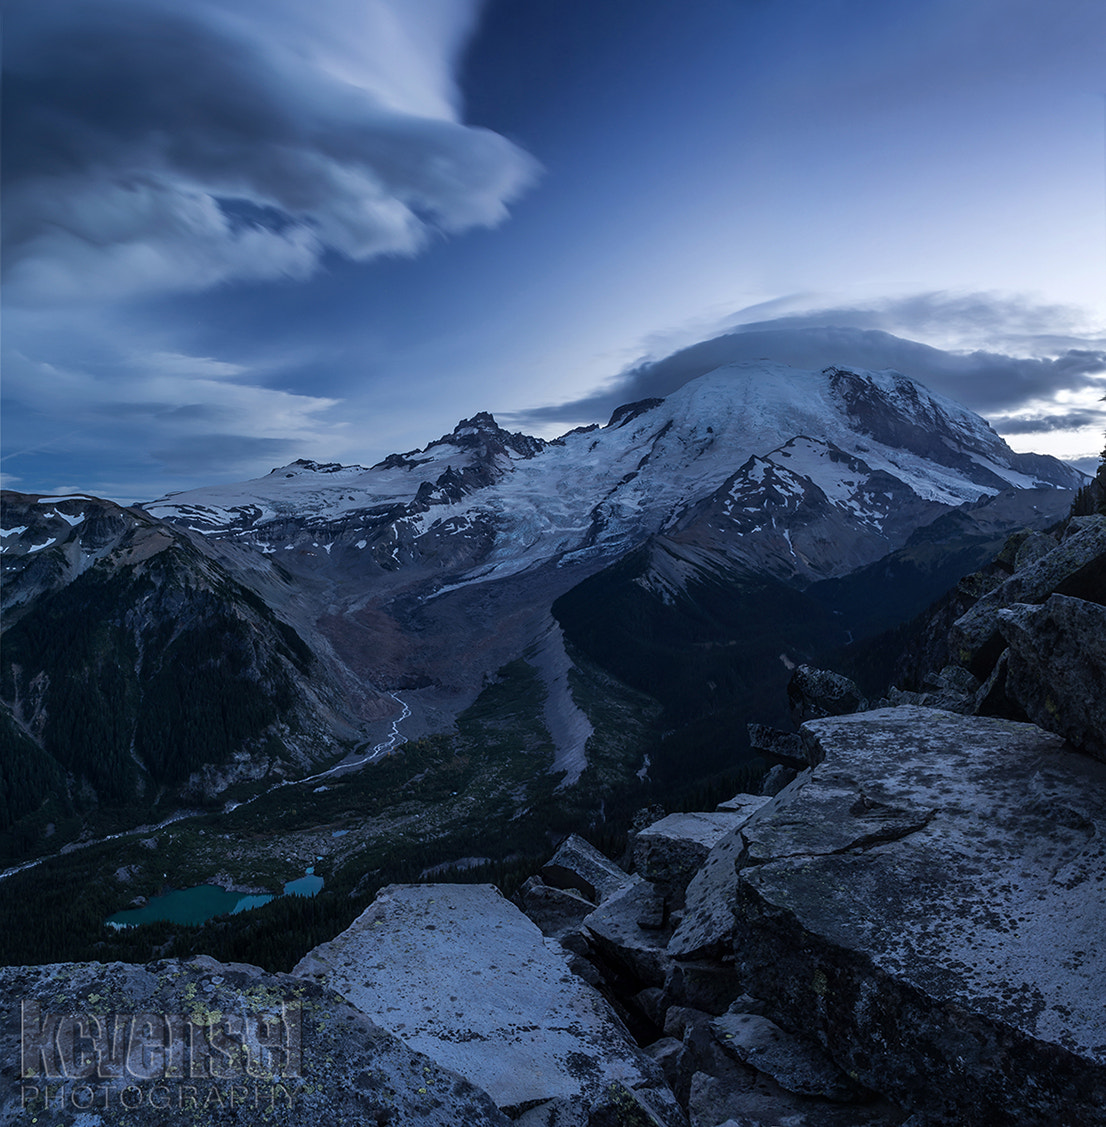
x=911 y=932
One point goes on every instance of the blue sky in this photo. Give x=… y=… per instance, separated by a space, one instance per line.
x=238 y=234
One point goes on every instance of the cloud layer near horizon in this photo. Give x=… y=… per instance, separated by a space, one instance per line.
x=185 y=416
x=154 y=146
x=1022 y=394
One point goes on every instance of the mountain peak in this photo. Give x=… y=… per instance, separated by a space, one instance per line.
x=481 y=421
x=485 y=437
x=311 y=467
x=630 y=411
x=482 y=494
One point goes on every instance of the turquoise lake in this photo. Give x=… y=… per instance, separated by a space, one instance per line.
x=199 y=904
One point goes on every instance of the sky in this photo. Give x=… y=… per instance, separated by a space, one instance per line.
x=236 y=234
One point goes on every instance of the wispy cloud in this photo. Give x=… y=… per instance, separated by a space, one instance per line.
x=151 y=145
x=1045 y=424
x=164 y=414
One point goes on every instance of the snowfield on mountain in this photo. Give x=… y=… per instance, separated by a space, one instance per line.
x=522 y=501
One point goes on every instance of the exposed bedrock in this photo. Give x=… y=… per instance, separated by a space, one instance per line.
x=911 y=932
x=578 y=865
x=1072 y=567
x=670 y=852
x=928 y=903
x=202 y=1042
x=1056 y=667
x=813 y=693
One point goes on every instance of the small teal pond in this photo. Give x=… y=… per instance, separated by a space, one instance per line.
x=199 y=904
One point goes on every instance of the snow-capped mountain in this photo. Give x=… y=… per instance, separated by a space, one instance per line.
x=670 y=553
x=481 y=503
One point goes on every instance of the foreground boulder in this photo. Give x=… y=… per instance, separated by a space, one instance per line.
x=670 y=852
x=203 y=1042
x=557 y=911
x=627 y=930
x=578 y=865
x=706 y=931
x=459 y=973
x=813 y=693
x=927 y=903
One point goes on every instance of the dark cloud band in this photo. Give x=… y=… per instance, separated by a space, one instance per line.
x=989 y=382
x=1046 y=424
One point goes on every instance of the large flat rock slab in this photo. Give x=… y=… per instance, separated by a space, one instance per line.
x=930 y=902
x=202 y=1042
x=459 y=973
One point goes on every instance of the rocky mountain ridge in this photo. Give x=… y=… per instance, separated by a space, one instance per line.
x=483 y=529
x=906 y=934
x=522 y=501
x=137 y=671
x=739 y=492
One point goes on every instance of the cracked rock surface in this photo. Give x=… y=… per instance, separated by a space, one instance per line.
x=930 y=903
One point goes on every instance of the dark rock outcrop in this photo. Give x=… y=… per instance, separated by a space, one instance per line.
x=1022 y=639
x=578 y=865
x=706 y=930
x=670 y=852
x=557 y=911
x=776 y=779
x=1057 y=667
x=626 y=930
x=976 y=638
x=814 y=693
x=793 y=1062
x=784 y=747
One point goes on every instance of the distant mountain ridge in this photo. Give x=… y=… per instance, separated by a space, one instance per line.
x=668 y=553
x=520 y=501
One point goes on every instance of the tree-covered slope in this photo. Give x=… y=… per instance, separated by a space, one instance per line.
x=139 y=673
